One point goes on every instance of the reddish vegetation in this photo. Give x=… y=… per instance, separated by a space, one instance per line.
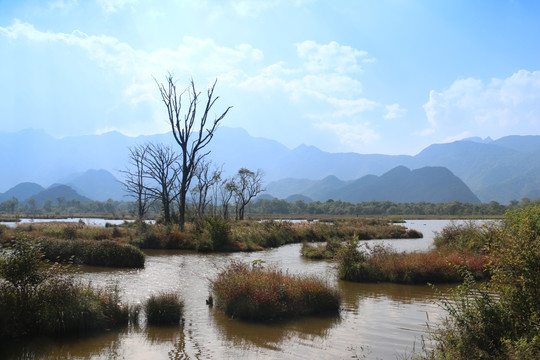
x=254 y=293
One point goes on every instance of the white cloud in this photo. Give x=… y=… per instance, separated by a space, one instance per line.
x=194 y=56
x=62 y=4
x=498 y=108
x=322 y=79
x=394 y=111
x=113 y=6
x=329 y=57
x=344 y=107
x=323 y=86
x=254 y=8
x=353 y=136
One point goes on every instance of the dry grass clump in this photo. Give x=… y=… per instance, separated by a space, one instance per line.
x=254 y=293
x=164 y=309
x=383 y=264
x=90 y=252
x=326 y=251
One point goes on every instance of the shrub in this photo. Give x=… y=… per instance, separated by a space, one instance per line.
x=501 y=319
x=38 y=299
x=469 y=236
x=149 y=240
x=69 y=232
x=163 y=309
x=219 y=231
x=254 y=293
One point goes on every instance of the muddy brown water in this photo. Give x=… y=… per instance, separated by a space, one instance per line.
x=382 y=321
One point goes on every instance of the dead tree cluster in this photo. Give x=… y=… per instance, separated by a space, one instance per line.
x=157 y=173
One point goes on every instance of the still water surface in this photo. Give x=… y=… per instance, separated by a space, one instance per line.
x=377 y=320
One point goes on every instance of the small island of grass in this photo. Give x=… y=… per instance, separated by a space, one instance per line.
x=254 y=293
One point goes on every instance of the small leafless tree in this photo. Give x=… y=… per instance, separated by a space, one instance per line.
x=134 y=182
x=162 y=171
x=248 y=185
x=184 y=126
x=227 y=190
x=207 y=178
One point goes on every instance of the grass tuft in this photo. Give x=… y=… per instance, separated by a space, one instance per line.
x=163 y=309
x=254 y=293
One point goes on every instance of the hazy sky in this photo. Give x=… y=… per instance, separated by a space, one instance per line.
x=385 y=76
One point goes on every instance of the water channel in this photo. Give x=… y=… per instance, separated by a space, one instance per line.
x=378 y=321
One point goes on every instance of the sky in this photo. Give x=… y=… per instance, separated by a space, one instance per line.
x=385 y=76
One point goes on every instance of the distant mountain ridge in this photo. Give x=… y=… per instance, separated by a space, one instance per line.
x=98 y=185
x=429 y=184
x=56 y=192
x=501 y=170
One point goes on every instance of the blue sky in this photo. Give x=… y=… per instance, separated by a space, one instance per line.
x=384 y=76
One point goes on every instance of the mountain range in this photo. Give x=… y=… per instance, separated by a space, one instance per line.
x=400 y=185
x=494 y=170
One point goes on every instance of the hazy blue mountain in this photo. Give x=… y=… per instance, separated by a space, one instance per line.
x=430 y=184
x=484 y=165
x=264 y=196
x=22 y=191
x=98 y=185
x=526 y=144
x=59 y=191
x=298 y=197
x=524 y=185
x=479 y=140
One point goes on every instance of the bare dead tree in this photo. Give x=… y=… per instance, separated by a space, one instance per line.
x=184 y=126
x=207 y=178
x=227 y=190
x=134 y=182
x=162 y=169
x=248 y=185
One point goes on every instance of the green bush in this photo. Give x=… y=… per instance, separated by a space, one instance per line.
x=163 y=309
x=469 y=236
x=501 y=319
x=219 y=231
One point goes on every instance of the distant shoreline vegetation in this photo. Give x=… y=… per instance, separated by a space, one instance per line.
x=13 y=210
x=119 y=246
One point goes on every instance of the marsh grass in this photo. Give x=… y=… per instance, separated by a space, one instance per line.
x=216 y=234
x=39 y=299
x=89 y=252
x=164 y=309
x=362 y=263
x=468 y=236
x=326 y=251
x=254 y=293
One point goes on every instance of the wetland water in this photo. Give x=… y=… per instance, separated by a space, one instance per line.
x=377 y=320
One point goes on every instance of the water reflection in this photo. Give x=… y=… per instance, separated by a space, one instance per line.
x=273 y=334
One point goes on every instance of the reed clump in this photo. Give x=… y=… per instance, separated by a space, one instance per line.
x=38 y=299
x=326 y=251
x=90 y=252
x=164 y=309
x=255 y=293
x=362 y=263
